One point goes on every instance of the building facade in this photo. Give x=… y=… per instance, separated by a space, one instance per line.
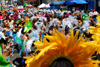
x=92 y=4
x=2 y=1
x=52 y=1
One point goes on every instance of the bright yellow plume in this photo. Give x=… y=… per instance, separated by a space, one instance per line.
x=98 y=17
x=96 y=35
x=78 y=51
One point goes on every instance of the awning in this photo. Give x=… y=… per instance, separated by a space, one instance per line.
x=76 y=2
x=79 y=1
x=43 y=5
x=69 y=3
x=54 y=7
x=57 y=3
x=47 y=5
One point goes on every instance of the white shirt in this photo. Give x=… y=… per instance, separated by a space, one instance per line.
x=28 y=46
x=39 y=25
x=91 y=14
x=19 y=34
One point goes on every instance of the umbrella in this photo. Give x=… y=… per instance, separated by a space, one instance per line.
x=69 y=3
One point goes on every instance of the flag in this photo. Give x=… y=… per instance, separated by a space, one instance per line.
x=25 y=4
x=28 y=26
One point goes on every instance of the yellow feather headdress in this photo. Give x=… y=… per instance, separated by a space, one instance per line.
x=78 y=51
x=98 y=17
x=96 y=32
x=96 y=35
x=27 y=19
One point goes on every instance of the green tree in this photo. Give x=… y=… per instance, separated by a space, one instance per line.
x=9 y=2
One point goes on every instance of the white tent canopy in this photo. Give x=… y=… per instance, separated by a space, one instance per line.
x=43 y=5
x=47 y=5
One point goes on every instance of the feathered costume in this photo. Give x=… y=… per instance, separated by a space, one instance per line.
x=78 y=51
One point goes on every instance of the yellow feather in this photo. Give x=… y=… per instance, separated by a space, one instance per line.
x=79 y=50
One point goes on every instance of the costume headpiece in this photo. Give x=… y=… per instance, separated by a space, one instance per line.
x=96 y=33
x=78 y=51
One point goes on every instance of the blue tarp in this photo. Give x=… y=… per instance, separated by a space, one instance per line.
x=76 y=2
x=79 y=1
x=69 y=3
x=57 y=3
x=54 y=7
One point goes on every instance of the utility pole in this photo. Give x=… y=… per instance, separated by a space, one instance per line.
x=39 y=2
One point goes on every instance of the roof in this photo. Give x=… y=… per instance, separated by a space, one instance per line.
x=30 y=0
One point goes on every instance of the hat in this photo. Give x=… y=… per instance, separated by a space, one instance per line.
x=77 y=9
x=93 y=10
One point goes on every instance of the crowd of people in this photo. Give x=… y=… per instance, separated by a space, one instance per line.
x=43 y=22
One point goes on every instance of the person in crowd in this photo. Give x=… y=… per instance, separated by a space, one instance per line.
x=25 y=27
